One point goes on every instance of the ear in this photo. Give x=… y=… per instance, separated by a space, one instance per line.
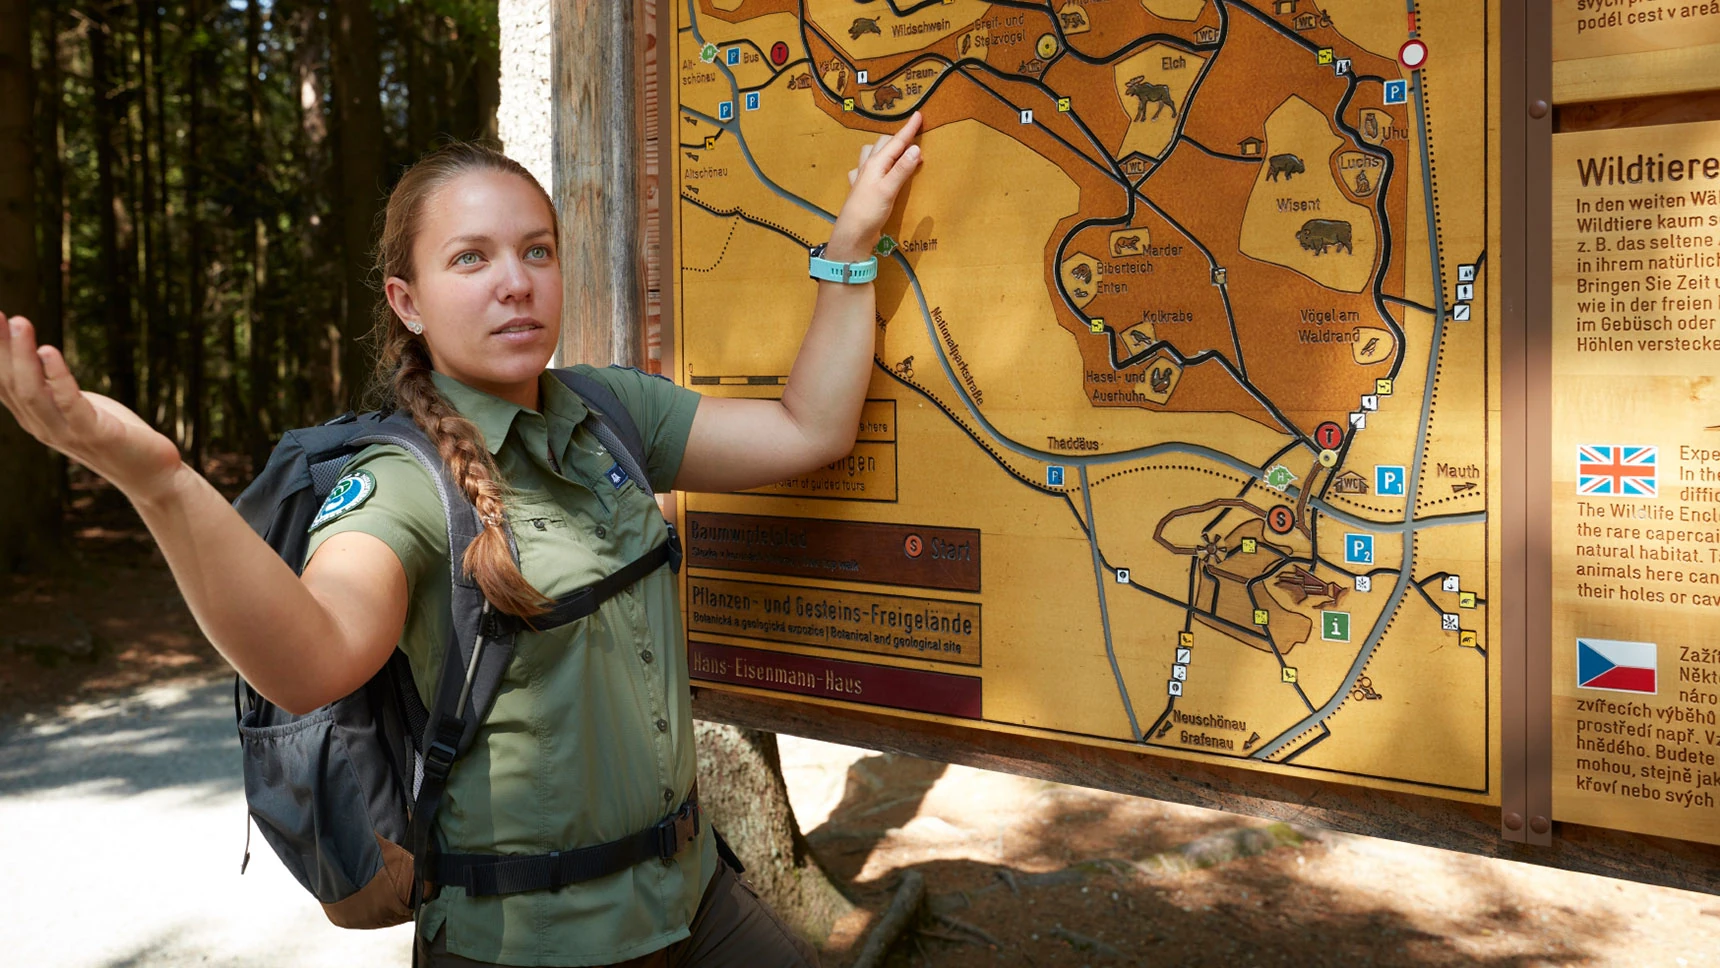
x=399 y=293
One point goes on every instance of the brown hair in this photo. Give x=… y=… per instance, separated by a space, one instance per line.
x=403 y=366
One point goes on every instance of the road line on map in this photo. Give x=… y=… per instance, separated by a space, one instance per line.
x=1104 y=612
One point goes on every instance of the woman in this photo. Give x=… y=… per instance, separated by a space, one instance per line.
x=591 y=737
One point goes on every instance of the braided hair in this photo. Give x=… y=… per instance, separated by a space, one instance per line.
x=403 y=367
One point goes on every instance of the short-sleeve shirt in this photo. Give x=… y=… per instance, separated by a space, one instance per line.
x=591 y=735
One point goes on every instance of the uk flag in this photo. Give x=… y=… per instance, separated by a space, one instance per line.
x=1617 y=471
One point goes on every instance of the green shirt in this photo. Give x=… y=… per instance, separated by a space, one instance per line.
x=591 y=735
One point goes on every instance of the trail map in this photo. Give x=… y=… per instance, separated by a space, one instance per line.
x=1184 y=412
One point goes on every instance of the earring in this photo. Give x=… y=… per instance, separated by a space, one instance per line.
x=416 y=328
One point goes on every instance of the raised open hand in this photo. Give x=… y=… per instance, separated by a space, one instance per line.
x=883 y=172
x=96 y=431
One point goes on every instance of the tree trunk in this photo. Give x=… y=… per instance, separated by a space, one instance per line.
x=110 y=122
x=163 y=344
x=29 y=488
x=742 y=791
x=51 y=314
x=196 y=286
x=313 y=376
x=487 y=82
x=421 y=71
x=260 y=421
x=157 y=344
x=357 y=87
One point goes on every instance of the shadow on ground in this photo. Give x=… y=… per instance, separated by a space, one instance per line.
x=1060 y=876
x=166 y=736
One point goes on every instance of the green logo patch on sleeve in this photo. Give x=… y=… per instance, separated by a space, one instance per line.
x=348 y=493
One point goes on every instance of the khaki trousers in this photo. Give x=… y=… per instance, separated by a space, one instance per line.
x=732 y=929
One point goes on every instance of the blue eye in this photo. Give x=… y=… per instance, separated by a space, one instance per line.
x=538 y=252
x=466 y=259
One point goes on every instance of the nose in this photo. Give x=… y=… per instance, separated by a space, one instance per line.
x=515 y=283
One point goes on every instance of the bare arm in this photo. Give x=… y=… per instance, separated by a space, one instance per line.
x=737 y=443
x=301 y=643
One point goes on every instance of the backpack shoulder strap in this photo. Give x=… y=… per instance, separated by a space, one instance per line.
x=478 y=647
x=612 y=424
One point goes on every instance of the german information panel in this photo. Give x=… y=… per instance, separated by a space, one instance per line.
x=1636 y=479
x=1183 y=422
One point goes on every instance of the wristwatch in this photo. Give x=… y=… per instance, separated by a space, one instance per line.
x=825 y=270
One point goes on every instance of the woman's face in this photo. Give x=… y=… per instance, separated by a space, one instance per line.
x=488 y=283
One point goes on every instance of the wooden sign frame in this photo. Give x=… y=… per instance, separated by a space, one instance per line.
x=1520 y=828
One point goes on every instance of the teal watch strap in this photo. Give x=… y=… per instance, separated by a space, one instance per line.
x=825 y=270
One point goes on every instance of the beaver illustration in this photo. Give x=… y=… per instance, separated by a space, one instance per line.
x=1285 y=164
x=1317 y=234
x=1083 y=272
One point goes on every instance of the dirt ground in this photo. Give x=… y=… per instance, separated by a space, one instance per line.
x=1018 y=871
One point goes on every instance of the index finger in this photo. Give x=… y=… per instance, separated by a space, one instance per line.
x=899 y=141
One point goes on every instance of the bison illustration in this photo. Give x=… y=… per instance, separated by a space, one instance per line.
x=1126 y=243
x=1317 y=234
x=1285 y=164
x=864 y=25
x=1145 y=93
x=886 y=97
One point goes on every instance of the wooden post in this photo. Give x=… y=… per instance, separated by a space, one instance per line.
x=598 y=150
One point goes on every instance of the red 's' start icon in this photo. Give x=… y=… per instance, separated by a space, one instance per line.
x=913 y=546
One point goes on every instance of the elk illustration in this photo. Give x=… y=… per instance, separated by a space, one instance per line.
x=1146 y=92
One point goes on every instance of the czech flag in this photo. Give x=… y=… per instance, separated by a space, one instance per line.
x=1618 y=666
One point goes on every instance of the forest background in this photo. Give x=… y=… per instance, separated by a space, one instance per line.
x=189 y=192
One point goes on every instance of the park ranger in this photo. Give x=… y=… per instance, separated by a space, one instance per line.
x=590 y=739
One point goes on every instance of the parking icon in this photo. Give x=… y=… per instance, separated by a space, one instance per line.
x=1359 y=549
x=1397 y=92
x=1054 y=475
x=726 y=111
x=1388 y=480
x=752 y=100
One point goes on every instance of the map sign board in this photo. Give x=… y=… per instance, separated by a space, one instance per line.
x=1183 y=430
x=1609 y=49
x=1636 y=479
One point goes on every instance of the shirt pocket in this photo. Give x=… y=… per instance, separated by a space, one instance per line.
x=558 y=552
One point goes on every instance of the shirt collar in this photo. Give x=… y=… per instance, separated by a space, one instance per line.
x=494 y=417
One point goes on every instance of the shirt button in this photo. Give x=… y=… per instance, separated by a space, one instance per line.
x=646 y=655
x=668 y=795
x=662 y=725
x=602 y=532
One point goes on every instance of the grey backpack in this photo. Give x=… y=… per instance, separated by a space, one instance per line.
x=347 y=794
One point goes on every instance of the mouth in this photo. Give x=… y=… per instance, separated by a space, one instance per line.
x=518 y=326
